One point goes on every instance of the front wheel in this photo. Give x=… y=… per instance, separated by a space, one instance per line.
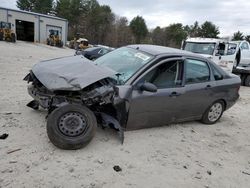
x=71 y=126
x=213 y=113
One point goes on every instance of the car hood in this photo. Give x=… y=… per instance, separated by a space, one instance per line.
x=69 y=73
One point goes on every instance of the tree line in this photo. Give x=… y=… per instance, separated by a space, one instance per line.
x=100 y=25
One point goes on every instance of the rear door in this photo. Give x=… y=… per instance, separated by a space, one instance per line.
x=198 y=89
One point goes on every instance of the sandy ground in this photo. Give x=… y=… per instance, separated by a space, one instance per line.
x=180 y=155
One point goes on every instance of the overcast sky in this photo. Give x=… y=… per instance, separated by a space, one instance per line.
x=229 y=15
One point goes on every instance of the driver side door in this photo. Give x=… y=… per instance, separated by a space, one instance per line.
x=150 y=109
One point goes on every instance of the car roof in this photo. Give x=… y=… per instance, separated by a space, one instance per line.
x=160 y=50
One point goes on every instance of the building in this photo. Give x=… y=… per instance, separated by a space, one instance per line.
x=34 y=27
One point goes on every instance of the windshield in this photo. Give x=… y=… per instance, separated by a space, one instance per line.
x=125 y=61
x=200 y=48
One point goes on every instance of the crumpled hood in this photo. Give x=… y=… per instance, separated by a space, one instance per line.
x=69 y=73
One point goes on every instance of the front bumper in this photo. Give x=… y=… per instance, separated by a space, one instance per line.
x=43 y=99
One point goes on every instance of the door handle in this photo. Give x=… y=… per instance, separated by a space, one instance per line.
x=208 y=86
x=174 y=94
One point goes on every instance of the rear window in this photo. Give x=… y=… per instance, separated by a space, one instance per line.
x=196 y=71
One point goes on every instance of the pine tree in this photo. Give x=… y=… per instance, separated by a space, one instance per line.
x=139 y=28
x=27 y=5
x=43 y=6
x=39 y=6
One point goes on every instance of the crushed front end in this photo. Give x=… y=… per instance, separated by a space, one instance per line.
x=99 y=97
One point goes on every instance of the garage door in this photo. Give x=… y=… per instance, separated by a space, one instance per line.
x=25 y=30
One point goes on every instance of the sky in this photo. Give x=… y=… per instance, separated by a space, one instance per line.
x=229 y=15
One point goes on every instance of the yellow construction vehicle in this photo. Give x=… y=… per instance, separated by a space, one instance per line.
x=73 y=43
x=82 y=44
x=6 y=33
x=54 y=38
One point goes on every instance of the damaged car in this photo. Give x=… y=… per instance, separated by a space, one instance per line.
x=132 y=87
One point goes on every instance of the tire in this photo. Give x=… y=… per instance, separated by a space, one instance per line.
x=51 y=42
x=61 y=44
x=247 y=81
x=8 y=39
x=71 y=126
x=243 y=78
x=13 y=37
x=213 y=112
x=1 y=36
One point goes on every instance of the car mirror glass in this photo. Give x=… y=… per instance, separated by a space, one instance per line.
x=148 y=87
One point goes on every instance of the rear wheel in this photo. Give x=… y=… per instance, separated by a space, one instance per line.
x=71 y=126
x=213 y=113
x=247 y=81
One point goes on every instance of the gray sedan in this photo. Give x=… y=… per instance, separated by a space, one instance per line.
x=133 y=87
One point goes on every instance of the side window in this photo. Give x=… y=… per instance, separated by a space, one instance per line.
x=196 y=71
x=244 y=46
x=166 y=75
x=102 y=51
x=217 y=74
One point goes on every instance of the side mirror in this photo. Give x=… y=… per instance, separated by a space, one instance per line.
x=148 y=87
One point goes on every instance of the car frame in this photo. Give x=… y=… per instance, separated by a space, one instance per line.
x=134 y=104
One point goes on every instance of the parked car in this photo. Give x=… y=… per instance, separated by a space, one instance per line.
x=133 y=87
x=94 y=52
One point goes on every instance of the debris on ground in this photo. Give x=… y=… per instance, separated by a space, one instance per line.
x=117 y=168
x=71 y=169
x=209 y=172
x=193 y=131
x=12 y=162
x=4 y=136
x=247 y=173
x=10 y=113
x=14 y=150
x=198 y=175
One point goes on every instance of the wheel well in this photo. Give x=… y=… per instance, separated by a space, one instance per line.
x=224 y=102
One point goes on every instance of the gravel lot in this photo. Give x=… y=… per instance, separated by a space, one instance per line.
x=180 y=155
